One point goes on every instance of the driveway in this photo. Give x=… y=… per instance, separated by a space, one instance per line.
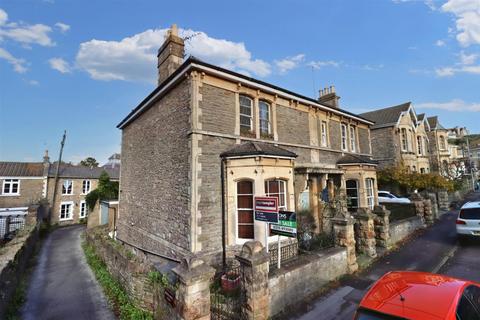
x=62 y=285
x=435 y=250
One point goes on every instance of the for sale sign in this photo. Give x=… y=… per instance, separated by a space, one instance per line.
x=287 y=224
x=266 y=209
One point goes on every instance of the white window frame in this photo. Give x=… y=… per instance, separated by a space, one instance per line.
x=269 y=112
x=443 y=144
x=279 y=193
x=249 y=116
x=369 y=191
x=353 y=138
x=70 y=213
x=343 y=132
x=10 y=183
x=83 y=209
x=323 y=133
x=66 y=188
x=86 y=182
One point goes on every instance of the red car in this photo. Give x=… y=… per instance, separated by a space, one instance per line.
x=420 y=295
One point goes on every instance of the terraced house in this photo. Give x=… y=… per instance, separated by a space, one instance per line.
x=207 y=140
x=399 y=137
x=26 y=183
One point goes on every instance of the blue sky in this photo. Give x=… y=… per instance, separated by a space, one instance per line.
x=83 y=65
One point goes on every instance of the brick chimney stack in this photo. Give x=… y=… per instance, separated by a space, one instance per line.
x=170 y=55
x=329 y=98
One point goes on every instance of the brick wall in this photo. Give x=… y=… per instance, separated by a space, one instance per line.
x=30 y=193
x=154 y=209
x=218 y=109
x=335 y=134
x=363 y=140
x=292 y=126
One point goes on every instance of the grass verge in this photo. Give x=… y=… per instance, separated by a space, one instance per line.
x=116 y=295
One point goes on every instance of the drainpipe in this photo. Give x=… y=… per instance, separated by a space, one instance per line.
x=224 y=249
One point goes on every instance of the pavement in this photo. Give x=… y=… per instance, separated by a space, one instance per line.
x=62 y=285
x=434 y=249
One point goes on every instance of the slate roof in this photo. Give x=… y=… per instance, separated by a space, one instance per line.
x=152 y=97
x=420 y=116
x=434 y=123
x=257 y=149
x=21 y=169
x=356 y=159
x=387 y=116
x=76 y=171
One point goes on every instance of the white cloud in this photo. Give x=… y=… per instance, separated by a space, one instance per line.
x=60 y=65
x=453 y=105
x=18 y=64
x=467 y=15
x=289 y=63
x=369 y=67
x=134 y=58
x=428 y=3
x=468 y=59
x=33 y=82
x=445 y=71
x=24 y=33
x=440 y=43
x=322 y=64
x=62 y=27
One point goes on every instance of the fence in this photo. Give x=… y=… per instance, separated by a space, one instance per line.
x=400 y=211
x=288 y=252
x=227 y=294
x=10 y=223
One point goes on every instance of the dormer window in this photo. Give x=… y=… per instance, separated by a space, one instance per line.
x=246 y=104
x=67 y=187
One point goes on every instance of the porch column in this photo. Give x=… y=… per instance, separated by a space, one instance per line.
x=314 y=182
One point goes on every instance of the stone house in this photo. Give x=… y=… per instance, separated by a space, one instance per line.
x=399 y=137
x=440 y=150
x=207 y=140
x=25 y=183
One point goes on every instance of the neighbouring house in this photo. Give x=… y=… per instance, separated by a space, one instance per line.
x=25 y=183
x=400 y=137
x=440 y=151
x=113 y=161
x=207 y=140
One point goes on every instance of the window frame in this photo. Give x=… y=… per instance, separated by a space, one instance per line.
x=238 y=209
x=70 y=213
x=443 y=144
x=83 y=213
x=89 y=186
x=353 y=138
x=10 y=182
x=66 y=193
x=269 y=116
x=420 y=145
x=250 y=116
x=323 y=133
x=279 y=193
x=404 y=139
x=370 y=195
x=352 y=208
x=343 y=135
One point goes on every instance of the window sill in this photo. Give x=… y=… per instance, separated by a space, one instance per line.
x=67 y=219
x=67 y=194
x=10 y=195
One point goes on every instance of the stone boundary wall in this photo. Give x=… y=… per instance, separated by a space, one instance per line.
x=129 y=269
x=14 y=257
x=399 y=230
x=292 y=284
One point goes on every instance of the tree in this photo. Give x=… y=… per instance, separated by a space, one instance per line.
x=106 y=190
x=89 y=162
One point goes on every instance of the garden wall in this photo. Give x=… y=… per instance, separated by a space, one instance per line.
x=399 y=230
x=295 y=282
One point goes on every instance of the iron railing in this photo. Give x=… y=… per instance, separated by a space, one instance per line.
x=288 y=252
x=227 y=294
x=9 y=224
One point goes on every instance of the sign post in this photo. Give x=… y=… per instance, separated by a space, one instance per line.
x=266 y=210
x=287 y=226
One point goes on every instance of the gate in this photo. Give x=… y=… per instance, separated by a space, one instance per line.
x=227 y=294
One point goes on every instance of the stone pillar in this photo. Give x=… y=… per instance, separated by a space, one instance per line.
x=365 y=233
x=254 y=261
x=443 y=200
x=31 y=217
x=417 y=201
x=193 y=293
x=314 y=203
x=433 y=199
x=427 y=212
x=345 y=237
x=382 y=226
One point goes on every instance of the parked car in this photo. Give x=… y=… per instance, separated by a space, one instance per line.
x=468 y=221
x=388 y=197
x=420 y=295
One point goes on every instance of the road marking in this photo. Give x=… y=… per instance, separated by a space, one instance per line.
x=444 y=260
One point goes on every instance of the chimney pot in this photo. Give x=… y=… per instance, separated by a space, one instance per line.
x=170 y=55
